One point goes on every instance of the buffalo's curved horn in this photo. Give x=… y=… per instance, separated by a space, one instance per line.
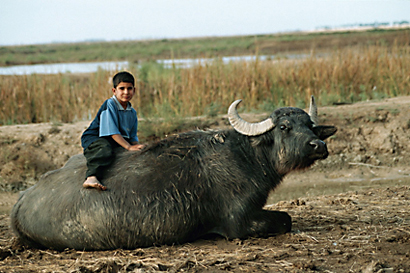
x=313 y=111
x=244 y=127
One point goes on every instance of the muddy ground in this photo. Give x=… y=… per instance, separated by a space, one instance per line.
x=351 y=212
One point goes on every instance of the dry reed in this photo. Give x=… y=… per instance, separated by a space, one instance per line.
x=346 y=75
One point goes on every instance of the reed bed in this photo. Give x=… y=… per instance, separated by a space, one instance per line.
x=345 y=75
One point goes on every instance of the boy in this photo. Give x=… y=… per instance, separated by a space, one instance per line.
x=115 y=125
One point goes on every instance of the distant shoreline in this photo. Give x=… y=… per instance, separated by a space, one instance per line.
x=358 y=28
x=143 y=51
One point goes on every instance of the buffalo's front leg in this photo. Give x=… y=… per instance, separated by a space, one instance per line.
x=265 y=223
x=260 y=223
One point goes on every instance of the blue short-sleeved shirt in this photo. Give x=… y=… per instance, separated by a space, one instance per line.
x=112 y=119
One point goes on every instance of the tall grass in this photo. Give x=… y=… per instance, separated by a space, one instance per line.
x=345 y=75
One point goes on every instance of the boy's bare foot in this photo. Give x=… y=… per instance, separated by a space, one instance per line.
x=92 y=182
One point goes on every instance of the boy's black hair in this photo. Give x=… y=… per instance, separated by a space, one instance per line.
x=123 y=76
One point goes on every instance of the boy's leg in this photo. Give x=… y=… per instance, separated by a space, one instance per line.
x=99 y=156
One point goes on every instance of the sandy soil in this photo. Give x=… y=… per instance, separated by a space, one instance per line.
x=351 y=212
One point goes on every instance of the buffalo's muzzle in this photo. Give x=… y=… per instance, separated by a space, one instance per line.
x=319 y=148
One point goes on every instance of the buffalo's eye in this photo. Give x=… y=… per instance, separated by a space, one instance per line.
x=283 y=127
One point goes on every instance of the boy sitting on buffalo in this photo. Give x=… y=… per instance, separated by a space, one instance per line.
x=115 y=125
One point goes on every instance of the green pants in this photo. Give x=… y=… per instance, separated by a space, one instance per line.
x=99 y=155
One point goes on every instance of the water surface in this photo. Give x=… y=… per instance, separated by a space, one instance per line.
x=115 y=66
x=62 y=68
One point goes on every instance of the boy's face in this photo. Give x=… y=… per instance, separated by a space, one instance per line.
x=124 y=93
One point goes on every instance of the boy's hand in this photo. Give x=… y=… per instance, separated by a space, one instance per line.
x=126 y=145
x=136 y=147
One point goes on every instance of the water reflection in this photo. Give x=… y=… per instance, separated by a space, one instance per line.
x=62 y=68
x=187 y=63
x=115 y=66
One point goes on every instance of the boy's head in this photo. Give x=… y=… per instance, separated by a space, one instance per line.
x=123 y=88
x=123 y=76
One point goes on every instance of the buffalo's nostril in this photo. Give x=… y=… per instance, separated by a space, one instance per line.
x=314 y=145
x=318 y=145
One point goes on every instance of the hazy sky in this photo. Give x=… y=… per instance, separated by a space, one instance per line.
x=44 y=21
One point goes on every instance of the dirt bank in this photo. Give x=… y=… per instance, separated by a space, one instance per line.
x=350 y=212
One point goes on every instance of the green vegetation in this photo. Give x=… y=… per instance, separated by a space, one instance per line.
x=141 y=51
x=361 y=71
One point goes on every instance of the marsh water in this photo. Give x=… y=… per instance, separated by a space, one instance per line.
x=91 y=67
x=61 y=68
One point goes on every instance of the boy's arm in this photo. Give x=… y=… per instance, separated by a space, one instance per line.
x=126 y=145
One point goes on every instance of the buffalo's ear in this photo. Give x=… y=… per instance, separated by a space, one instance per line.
x=324 y=132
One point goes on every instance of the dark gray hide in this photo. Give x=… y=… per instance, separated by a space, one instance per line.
x=174 y=191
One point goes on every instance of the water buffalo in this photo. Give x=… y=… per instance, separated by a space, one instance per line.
x=177 y=189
